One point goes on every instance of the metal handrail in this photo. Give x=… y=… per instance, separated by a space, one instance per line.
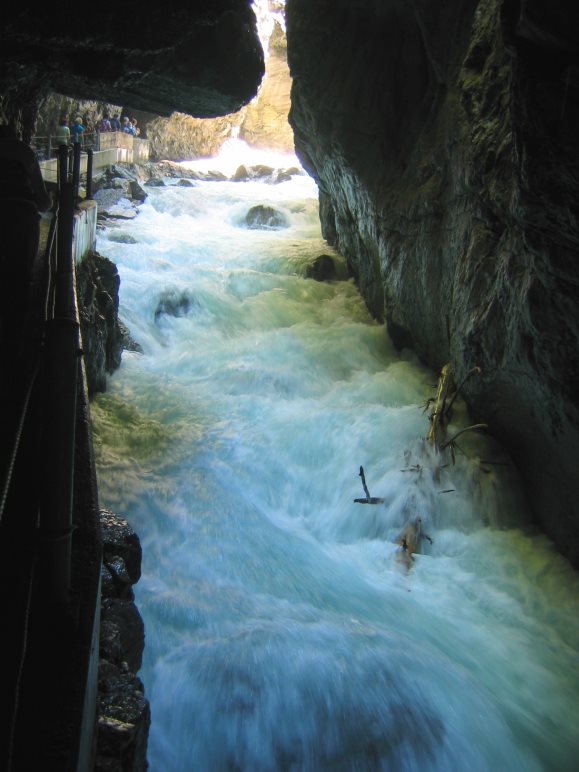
x=47 y=147
x=30 y=384
x=60 y=338
x=60 y=371
x=49 y=263
x=52 y=377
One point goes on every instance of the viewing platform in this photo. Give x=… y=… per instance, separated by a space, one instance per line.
x=108 y=148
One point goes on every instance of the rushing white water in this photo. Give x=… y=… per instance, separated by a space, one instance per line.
x=282 y=630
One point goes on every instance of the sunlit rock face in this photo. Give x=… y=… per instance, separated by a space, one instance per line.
x=265 y=119
x=201 y=58
x=182 y=137
x=263 y=123
x=444 y=140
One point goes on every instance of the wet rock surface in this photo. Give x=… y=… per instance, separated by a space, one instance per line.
x=115 y=205
x=263 y=217
x=175 y=303
x=98 y=282
x=120 y=541
x=445 y=147
x=322 y=268
x=118 y=192
x=123 y=710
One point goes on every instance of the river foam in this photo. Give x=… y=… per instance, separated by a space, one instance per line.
x=282 y=630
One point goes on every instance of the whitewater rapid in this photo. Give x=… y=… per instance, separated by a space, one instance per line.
x=282 y=630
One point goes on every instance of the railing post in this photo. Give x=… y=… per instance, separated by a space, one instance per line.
x=62 y=166
x=61 y=367
x=76 y=170
x=89 y=164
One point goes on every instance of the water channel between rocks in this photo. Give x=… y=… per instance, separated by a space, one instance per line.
x=282 y=630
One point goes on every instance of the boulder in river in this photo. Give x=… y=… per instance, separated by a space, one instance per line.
x=155 y=182
x=322 y=268
x=175 y=303
x=265 y=218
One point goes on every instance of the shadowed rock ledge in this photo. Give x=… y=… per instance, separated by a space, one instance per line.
x=443 y=139
x=97 y=282
x=204 y=59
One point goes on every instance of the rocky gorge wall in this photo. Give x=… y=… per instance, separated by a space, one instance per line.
x=204 y=60
x=444 y=141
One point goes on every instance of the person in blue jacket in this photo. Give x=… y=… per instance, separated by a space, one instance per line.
x=77 y=129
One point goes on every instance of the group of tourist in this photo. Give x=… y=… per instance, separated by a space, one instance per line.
x=128 y=125
x=66 y=133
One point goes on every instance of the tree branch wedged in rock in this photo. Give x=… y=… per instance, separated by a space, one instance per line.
x=439 y=418
x=446 y=394
x=439 y=415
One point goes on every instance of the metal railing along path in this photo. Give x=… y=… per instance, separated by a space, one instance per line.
x=105 y=149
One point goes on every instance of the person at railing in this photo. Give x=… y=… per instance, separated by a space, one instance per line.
x=23 y=196
x=115 y=123
x=104 y=125
x=62 y=133
x=136 y=130
x=127 y=126
x=77 y=129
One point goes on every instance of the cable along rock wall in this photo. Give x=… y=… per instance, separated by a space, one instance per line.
x=444 y=143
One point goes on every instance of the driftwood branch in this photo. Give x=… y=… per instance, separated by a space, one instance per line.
x=369 y=499
x=362 y=475
x=473 y=371
x=438 y=415
x=473 y=428
x=415 y=468
x=446 y=395
x=427 y=404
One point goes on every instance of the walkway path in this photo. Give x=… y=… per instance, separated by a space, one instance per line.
x=116 y=148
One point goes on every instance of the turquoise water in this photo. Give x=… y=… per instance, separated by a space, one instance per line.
x=283 y=632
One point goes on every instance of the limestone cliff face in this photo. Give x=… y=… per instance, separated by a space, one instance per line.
x=182 y=137
x=263 y=123
x=444 y=141
x=265 y=120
